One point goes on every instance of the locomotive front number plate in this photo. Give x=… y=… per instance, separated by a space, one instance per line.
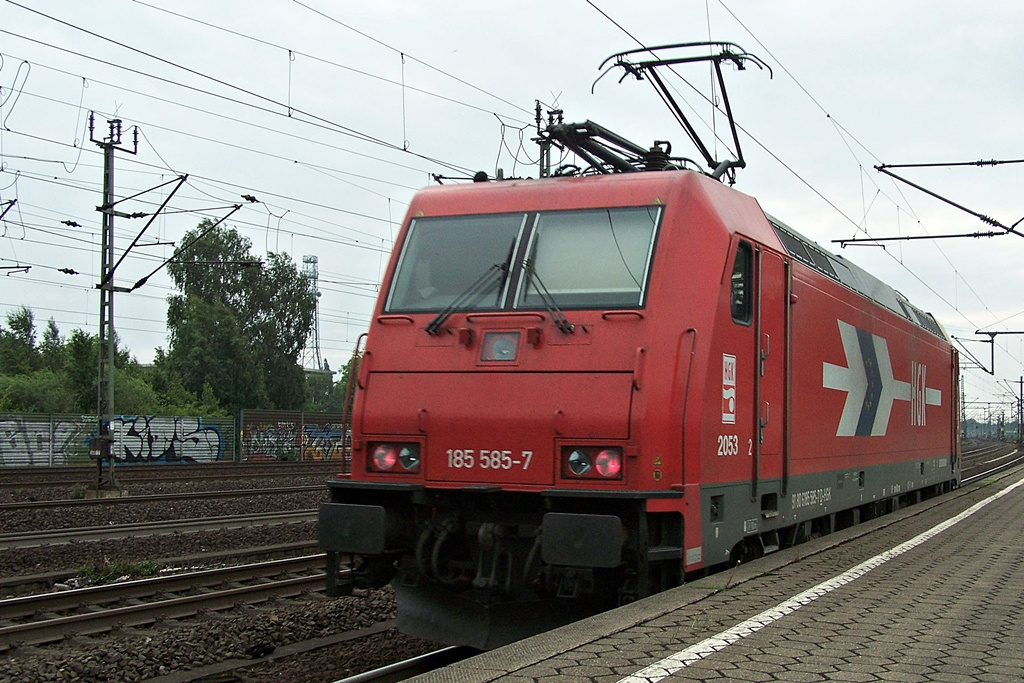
x=484 y=459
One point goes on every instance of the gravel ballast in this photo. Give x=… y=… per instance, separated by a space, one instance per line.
x=253 y=636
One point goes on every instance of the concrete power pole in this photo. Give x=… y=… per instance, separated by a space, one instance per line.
x=101 y=446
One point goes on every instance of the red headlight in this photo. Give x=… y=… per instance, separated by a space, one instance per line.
x=609 y=463
x=384 y=457
x=591 y=462
x=398 y=457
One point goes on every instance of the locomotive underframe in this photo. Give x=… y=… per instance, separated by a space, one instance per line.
x=553 y=555
x=556 y=556
x=739 y=527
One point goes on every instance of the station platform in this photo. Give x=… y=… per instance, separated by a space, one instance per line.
x=933 y=592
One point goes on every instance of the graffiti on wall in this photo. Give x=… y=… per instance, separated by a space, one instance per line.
x=323 y=442
x=29 y=441
x=270 y=440
x=283 y=439
x=42 y=439
x=141 y=438
x=64 y=440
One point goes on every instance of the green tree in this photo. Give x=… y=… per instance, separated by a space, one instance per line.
x=18 y=352
x=341 y=391
x=320 y=391
x=238 y=324
x=133 y=395
x=209 y=347
x=51 y=349
x=175 y=399
x=60 y=375
x=32 y=378
x=42 y=391
x=81 y=370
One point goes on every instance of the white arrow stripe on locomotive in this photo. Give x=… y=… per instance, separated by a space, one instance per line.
x=853 y=379
x=892 y=389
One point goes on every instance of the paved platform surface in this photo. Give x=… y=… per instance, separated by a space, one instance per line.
x=934 y=592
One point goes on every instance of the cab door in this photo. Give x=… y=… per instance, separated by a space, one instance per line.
x=755 y=371
x=740 y=367
x=771 y=323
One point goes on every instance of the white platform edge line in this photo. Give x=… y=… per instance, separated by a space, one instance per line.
x=669 y=665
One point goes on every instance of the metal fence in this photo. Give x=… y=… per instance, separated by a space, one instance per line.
x=52 y=439
x=293 y=435
x=257 y=435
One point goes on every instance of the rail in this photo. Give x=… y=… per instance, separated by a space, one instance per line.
x=67 y=475
x=997 y=465
x=157 y=498
x=26 y=583
x=31 y=539
x=55 y=628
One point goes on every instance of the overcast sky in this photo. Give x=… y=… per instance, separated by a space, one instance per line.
x=332 y=114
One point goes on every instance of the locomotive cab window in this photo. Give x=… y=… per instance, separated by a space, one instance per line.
x=590 y=259
x=741 y=284
x=453 y=259
x=595 y=258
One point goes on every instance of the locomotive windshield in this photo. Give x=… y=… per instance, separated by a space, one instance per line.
x=444 y=257
x=596 y=258
x=590 y=258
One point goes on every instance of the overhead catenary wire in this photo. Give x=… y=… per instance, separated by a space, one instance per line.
x=350 y=318
x=293 y=52
x=276 y=206
x=235 y=120
x=403 y=53
x=218 y=186
x=92 y=185
x=857 y=224
x=45 y=228
x=368 y=216
x=285 y=112
x=84 y=186
x=845 y=134
x=169 y=289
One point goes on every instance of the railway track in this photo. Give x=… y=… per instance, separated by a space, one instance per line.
x=97 y=609
x=970 y=458
x=30 y=539
x=990 y=459
x=36 y=583
x=68 y=475
x=986 y=462
x=158 y=498
x=986 y=449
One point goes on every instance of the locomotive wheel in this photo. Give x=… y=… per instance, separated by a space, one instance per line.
x=746 y=550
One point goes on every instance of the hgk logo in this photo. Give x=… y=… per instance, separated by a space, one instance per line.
x=871 y=390
x=918 y=393
x=728 y=389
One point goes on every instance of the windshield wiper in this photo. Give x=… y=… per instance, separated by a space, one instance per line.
x=554 y=311
x=469 y=297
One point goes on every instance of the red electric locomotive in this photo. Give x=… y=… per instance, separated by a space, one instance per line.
x=576 y=391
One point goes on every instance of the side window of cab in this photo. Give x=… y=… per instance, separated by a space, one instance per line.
x=741 y=284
